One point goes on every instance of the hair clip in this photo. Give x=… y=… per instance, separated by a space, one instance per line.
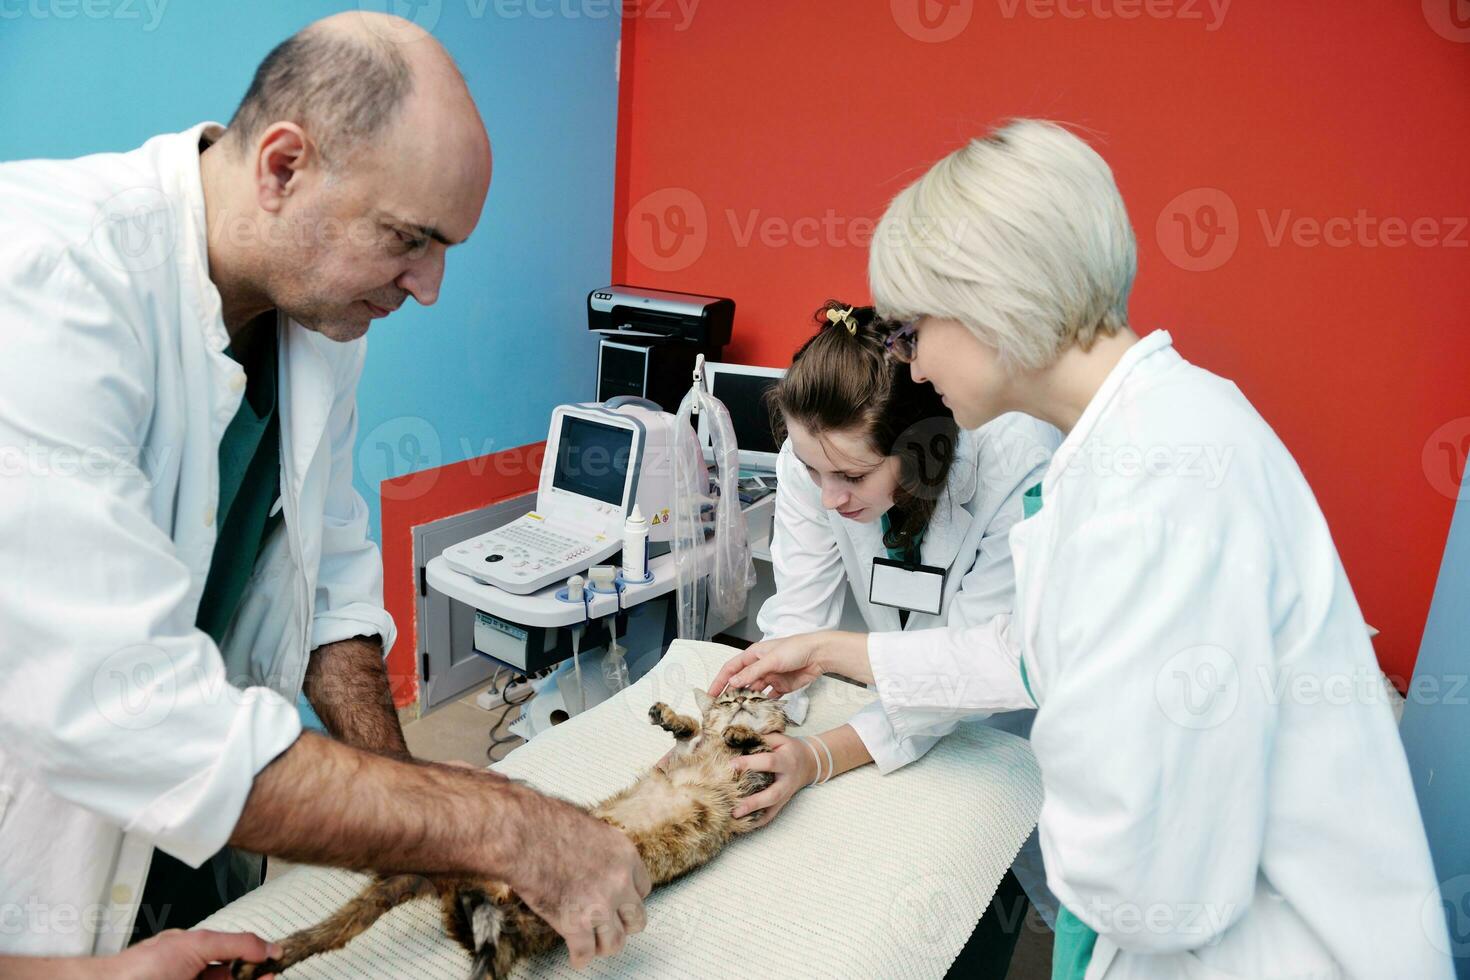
x=845 y=318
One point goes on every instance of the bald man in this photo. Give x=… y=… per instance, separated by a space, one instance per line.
x=183 y=328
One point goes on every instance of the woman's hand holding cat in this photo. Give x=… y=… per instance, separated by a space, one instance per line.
x=790 y=662
x=794 y=767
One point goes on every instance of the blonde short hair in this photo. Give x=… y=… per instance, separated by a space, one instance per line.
x=1020 y=235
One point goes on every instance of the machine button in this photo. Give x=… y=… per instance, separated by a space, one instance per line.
x=494 y=557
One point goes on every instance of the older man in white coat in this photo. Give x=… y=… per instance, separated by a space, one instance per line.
x=183 y=550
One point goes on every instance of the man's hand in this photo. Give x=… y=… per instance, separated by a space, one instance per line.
x=347 y=686
x=322 y=802
x=585 y=878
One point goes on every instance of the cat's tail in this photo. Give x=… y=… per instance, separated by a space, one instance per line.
x=487 y=921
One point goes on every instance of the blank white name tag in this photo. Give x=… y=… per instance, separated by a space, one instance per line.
x=917 y=588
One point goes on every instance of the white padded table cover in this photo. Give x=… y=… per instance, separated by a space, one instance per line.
x=866 y=876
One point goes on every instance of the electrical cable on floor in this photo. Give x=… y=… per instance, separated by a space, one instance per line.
x=496 y=741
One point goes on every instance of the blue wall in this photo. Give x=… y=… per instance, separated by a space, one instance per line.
x=507 y=340
x=1436 y=731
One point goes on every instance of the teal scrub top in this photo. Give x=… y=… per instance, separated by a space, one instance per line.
x=249 y=482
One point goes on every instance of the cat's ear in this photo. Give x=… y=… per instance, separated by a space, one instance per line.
x=702 y=698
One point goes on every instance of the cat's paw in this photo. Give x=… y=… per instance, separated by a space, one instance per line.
x=240 y=970
x=672 y=722
x=743 y=739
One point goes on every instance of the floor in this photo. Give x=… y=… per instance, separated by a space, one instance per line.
x=461 y=732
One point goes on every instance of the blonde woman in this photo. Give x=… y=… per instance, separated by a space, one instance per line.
x=1175 y=577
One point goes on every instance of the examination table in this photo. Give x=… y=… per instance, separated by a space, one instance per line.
x=866 y=876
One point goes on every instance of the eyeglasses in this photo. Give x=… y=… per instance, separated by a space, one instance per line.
x=903 y=344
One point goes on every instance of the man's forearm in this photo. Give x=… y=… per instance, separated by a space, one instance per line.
x=321 y=802
x=347 y=685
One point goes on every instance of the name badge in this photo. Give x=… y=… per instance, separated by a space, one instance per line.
x=917 y=588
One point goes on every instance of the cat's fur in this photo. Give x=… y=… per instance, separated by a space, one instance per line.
x=678 y=817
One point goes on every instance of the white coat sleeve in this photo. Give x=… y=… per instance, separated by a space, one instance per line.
x=349 y=591
x=1153 y=665
x=108 y=694
x=930 y=680
x=811 y=584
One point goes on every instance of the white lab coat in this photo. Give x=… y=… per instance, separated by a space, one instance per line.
x=1226 y=793
x=816 y=553
x=120 y=728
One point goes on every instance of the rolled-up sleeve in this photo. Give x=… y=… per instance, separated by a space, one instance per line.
x=109 y=696
x=349 y=592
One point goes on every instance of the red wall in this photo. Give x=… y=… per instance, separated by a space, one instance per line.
x=421 y=498
x=761 y=141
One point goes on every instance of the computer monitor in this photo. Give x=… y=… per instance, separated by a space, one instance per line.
x=592 y=459
x=742 y=388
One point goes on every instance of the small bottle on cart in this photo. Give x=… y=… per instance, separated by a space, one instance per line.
x=635 y=547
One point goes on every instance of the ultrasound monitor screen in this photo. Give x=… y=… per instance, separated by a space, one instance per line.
x=744 y=396
x=592 y=459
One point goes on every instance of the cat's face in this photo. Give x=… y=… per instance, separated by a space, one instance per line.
x=738 y=706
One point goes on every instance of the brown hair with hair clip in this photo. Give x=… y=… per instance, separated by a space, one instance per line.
x=842 y=380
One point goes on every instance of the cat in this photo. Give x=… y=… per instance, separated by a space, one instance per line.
x=678 y=815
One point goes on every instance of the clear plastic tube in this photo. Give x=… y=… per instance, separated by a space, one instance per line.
x=711 y=552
